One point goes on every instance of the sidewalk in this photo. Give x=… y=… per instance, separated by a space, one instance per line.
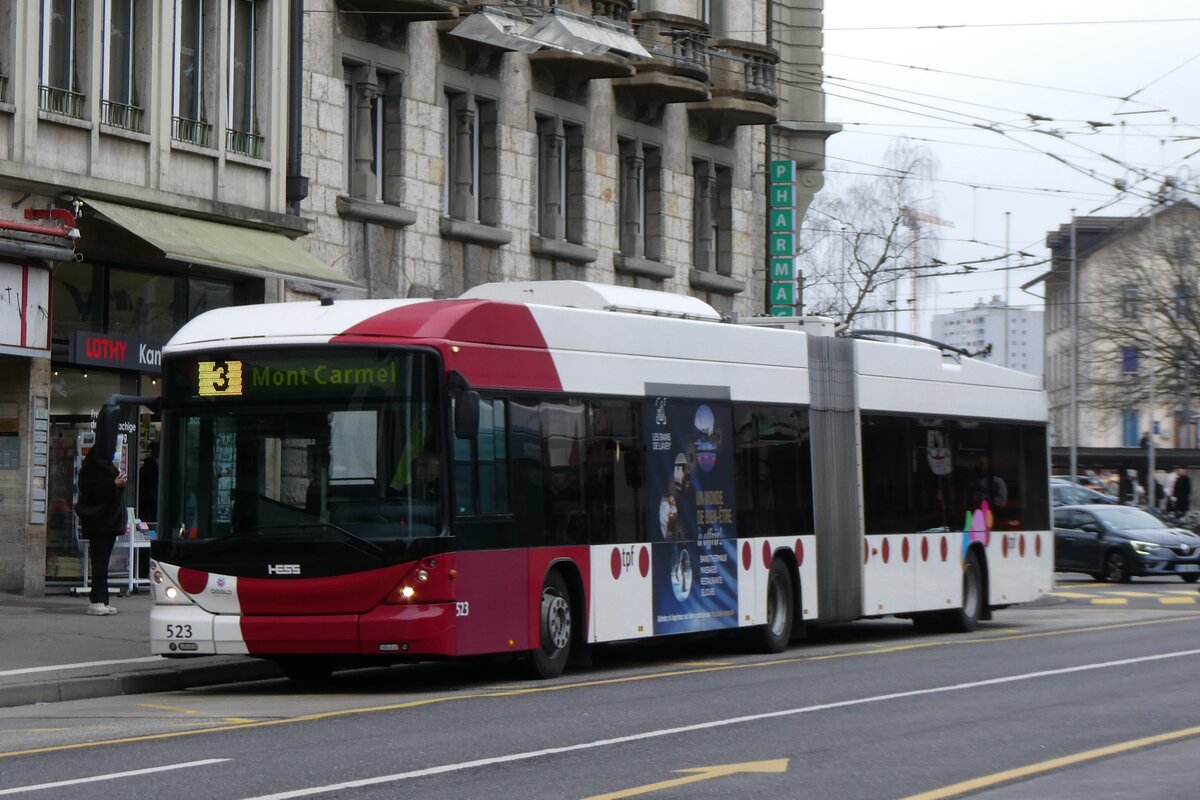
x=51 y=650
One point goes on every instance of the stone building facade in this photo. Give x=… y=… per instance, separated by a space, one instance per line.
x=143 y=179
x=620 y=142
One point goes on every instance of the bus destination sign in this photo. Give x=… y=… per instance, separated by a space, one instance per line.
x=294 y=377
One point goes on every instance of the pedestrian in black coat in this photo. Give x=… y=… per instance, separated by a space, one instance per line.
x=1182 y=492
x=101 y=515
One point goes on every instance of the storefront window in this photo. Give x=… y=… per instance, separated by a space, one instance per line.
x=141 y=305
x=76 y=396
x=78 y=299
x=205 y=295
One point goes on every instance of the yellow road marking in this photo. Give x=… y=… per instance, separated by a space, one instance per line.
x=178 y=710
x=698 y=774
x=1072 y=595
x=1111 y=601
x=1008 y=775
x=1177 y=601
x=175 y=709
x=1134 y=594
x=675 y=673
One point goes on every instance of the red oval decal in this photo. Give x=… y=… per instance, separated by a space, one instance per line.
x=1037 y=545
x=799 y=552
x=924 y=548
x=1004 y=546
x=887 y=551
x=745 y=555
x=945 y=548
x=616 y=563
x=192 y=581
x=766 y=555
x=1021 y=546
x=644 y=561
x=904 y=549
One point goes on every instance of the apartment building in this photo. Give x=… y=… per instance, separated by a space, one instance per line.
x=1005 y=335
x=143 y=179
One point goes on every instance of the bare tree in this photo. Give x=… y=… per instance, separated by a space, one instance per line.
x=1139 y=323
x=857 y=247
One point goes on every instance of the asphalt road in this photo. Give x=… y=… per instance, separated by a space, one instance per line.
x=1069 y=698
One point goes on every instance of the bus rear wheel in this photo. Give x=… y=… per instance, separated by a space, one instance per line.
x=555 y=629
x=774 y=636
x=966 y=618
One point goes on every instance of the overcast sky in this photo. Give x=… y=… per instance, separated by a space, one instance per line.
x=1000 y=91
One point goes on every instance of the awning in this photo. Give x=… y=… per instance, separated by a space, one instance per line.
x=499 y=28
x=215 y=244
x=569 y=31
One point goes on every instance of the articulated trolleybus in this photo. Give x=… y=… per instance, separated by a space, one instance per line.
x=533 y=468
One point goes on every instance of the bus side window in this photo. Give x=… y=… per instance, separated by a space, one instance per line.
x=481 y=465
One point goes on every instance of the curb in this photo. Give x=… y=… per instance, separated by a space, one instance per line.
x=153 y=680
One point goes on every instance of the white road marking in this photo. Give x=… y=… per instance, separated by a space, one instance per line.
x=82 y=665
x=720 y=723
x=112 y=776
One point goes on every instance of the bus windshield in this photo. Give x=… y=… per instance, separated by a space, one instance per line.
x=329 y=445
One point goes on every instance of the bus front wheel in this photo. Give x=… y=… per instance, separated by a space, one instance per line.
x=555 y=629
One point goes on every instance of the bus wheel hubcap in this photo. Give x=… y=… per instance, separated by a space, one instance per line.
x=557 y=618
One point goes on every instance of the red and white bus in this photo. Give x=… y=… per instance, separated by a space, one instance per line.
x=533 y=468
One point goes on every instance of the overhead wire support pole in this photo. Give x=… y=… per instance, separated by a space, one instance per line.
x=1073 y=297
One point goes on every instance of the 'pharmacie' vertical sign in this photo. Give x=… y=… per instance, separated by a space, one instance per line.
x=781 y=214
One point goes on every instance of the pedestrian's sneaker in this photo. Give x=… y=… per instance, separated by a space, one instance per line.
x=100 y=610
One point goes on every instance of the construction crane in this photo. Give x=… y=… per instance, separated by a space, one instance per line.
x=913 y=220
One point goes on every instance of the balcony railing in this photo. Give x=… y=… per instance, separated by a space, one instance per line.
x=244 y=143
x=61 y=101
x=121 y=115
x=191 y=131
x=614 y=10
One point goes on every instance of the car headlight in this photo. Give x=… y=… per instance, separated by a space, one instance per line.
x=1143 y=548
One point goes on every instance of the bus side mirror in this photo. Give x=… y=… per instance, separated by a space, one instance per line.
x=466 y=405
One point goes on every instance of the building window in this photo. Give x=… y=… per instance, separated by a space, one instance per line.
x=712 y=217
x=640 y=199
x=560 y=180
x=1129 y=300
x=1185 y=301
x=1129 y=360
x=363 y=124
x=1130 y=428
x=119 y=106
x=243 y=134
x=189 y=107
x=1183 y=249
x=372 y=140
x=60 y=82
x=472 y=176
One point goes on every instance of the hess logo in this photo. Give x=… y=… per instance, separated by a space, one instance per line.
x=283 y=569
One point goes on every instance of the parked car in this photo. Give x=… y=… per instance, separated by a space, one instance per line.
x=1065 y=493
x=1117 y=542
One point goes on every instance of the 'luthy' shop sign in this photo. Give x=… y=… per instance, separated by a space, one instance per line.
x=106 y=350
